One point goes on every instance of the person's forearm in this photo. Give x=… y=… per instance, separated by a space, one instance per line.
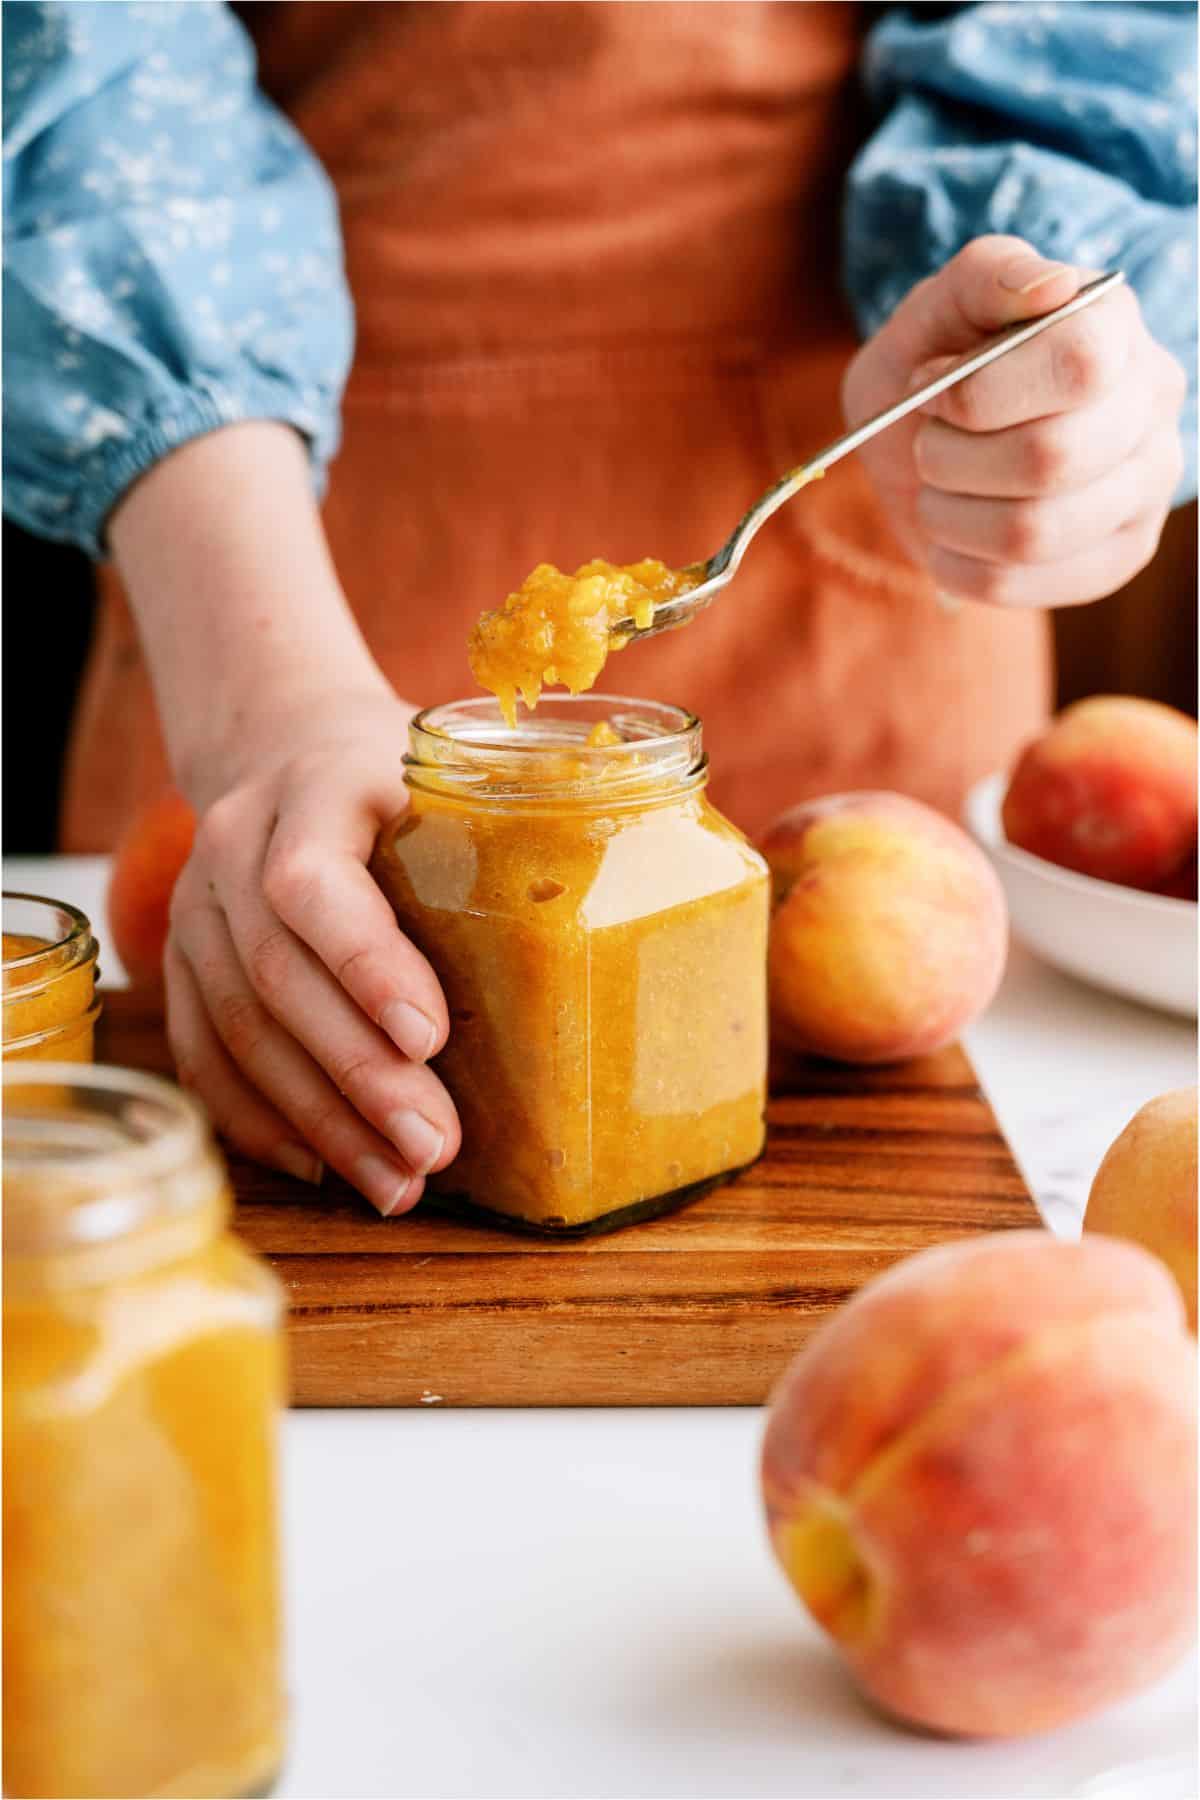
x=236 y=599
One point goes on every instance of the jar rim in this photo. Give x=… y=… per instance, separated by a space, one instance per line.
x=671 y=721
x=79 y=931
x=468 y=745
x=109 y=1188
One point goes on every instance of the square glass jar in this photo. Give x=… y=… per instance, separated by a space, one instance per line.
x=599 y=930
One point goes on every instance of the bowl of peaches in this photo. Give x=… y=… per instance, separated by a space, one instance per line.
x=1093 y=835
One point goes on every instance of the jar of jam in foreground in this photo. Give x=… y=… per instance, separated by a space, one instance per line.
x=142 y=1382
x=50 y=1008
x=599 y=931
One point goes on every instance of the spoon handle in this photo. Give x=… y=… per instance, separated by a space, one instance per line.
x=998 y=346
x=816 y=465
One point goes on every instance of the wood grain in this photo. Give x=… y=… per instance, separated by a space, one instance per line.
x=701 y=1308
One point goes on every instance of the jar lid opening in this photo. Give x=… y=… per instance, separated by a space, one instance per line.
x=91 y=1153
x=63 y=937
x=554 y=752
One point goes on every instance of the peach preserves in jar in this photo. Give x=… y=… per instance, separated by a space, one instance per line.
x=599 y=931
x=142 y=1381
x=49 y=999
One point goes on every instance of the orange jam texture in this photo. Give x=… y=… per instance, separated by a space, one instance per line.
x=605 y=976
x=601 y=736
x=58 y=1003
x=141 y=1624
x=557 y=628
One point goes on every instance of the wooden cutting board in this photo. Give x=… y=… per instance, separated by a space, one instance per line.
x=701 y=1308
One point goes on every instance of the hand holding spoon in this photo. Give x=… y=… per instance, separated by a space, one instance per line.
x=720 y=569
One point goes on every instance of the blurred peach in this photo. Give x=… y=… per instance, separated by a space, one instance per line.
x=145 y=869
x=1182 y=884
x=1109 y=789
x=1145 y=1189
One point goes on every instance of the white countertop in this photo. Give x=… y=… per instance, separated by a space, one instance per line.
x=581 y=1603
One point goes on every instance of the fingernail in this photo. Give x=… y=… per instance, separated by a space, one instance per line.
x=419 y=1142
x=293 y=1159
x=410 y=1029
x=1025 y=273
x=386 y=1185
x=950 y=604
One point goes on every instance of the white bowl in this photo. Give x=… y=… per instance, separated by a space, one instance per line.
x=1139 y=945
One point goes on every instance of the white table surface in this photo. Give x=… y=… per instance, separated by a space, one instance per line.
x=581 y=1603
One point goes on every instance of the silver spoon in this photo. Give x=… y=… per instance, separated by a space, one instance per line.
x=720 y=569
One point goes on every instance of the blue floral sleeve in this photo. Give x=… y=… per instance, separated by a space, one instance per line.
x=172 y=258
x=1071 y=125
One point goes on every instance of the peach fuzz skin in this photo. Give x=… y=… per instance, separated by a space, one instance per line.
x=1109 y=790
x=1145 y=1188
x=889 y=930
x=980 y=1476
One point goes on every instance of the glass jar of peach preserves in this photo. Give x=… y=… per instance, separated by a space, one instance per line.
x=599 y=931
x=49 y=1000
x=142 y=1380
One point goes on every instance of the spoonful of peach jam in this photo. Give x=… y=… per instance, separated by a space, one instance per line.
x=560 y=628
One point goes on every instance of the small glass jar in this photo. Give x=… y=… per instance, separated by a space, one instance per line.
x=50 y=1008
x=142 y=1381
x=599 y=931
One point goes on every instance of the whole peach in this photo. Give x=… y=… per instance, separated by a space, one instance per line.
x=980 y=1477
x=889 y=929
x=1145 y=1189
x=1109 y=789
x=145 y=869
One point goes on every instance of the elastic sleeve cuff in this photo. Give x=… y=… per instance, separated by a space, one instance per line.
x=907 y=214
x=105 y=474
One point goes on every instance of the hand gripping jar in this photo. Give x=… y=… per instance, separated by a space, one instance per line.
x=599 y=931
x=142 y=1382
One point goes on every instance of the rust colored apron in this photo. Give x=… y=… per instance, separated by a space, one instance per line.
x=594 y=256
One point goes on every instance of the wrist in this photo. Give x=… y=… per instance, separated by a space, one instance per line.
x=248 y=636
x=288 y=715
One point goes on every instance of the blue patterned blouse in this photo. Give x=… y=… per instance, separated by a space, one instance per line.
x=171 y=251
